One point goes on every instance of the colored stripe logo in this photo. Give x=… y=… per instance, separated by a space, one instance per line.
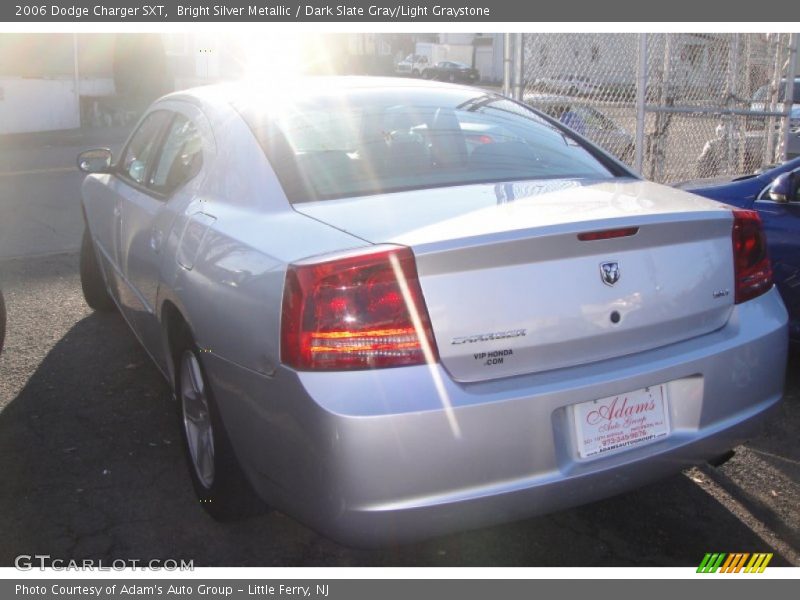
x=737 y=562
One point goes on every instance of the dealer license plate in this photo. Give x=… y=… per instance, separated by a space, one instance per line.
x=621 y=421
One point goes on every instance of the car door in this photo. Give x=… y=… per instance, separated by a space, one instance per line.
x=149 y=214
x=122 y=187
x=782 y=226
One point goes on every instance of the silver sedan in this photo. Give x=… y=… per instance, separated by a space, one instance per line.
x=395 y=308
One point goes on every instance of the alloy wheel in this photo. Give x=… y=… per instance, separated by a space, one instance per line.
x=197 y=419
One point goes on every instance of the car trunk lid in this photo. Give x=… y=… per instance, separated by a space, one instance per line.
x=512 y=289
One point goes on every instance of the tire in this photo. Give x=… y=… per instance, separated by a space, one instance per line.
x=92 y=283
x=2 y=321
x=426 y=74
x=451 y=78
x=415 y=73
x=219 y=483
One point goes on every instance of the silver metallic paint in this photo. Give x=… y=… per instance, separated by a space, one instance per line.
x=371 y=456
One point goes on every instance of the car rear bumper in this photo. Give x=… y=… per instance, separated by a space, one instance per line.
x=396 y=455
x=411 y=519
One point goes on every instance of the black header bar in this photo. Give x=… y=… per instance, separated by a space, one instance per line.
x=374 y=11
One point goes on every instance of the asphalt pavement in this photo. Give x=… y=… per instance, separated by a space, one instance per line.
x=40 y=189
x=92 y=467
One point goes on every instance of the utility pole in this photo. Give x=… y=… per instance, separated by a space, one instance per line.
x=507 y=64
x=518 y=67
x=641 y=95
x=788 y=97
x=76 y=79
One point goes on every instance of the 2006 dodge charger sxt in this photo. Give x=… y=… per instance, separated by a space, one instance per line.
x=397 y=308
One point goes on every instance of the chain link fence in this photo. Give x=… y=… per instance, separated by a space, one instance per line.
x=675 y=106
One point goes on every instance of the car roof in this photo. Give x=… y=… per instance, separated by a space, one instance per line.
x=225 y=95
x=321 y=82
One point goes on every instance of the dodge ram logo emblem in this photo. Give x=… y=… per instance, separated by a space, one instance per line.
x=609 y=272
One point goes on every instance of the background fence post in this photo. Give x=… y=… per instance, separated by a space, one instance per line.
x=518 y=67
x=641 y=96
x=788 y=98
x=658 y=141
x=507 y=64
x=731 y=97
x=769 y=157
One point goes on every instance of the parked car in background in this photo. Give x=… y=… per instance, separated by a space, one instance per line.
x=774 y=194
x=413 y=65
x=587 y=121
x=2 y=321
x=747 y=148
x=365 y=318
x=565 y=84
x=449 y=70
x=762 y=96
x=762 y=99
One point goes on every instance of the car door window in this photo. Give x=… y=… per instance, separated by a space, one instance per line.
x=181 y=156
x=141 y=150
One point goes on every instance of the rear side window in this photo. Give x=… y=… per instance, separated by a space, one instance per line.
x=181 y=156
x=393 y=143
x=143 y=147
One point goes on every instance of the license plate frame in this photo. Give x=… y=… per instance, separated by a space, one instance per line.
x=621 y=422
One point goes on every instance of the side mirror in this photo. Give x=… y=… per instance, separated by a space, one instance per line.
x=785 y=188
x=97 y=160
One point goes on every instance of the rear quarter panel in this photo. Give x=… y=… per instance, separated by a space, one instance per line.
x=231 y=294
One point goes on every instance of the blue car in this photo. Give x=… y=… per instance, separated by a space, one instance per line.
x=775 y=194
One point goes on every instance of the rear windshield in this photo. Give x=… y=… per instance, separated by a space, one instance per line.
x=376 y=141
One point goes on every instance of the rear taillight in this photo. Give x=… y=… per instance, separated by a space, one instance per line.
x=358 y=311
x=750 y=258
